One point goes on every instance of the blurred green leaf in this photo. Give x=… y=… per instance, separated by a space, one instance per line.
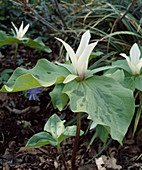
x=54 y=135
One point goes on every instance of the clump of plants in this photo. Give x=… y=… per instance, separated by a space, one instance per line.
x=107 y=98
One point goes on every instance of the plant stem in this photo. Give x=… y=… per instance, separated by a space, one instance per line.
x=76 y=141
x=17 y=44
x=60 y=150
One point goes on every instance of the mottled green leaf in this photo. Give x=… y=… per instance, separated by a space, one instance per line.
x=59 y=99
x=44 y=74
x=41 y=139
x=69 y=132
x=102 y=133
x=138 y=82
x=70 y=77
x=106 y=101
x=122 y=64
x=55 y=126
x=118 y=75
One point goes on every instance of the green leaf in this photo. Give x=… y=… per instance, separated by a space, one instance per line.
x=54 y=135
x=55 y=126
x=106 y=101
x=129 y=81
x=69 y=67
x=123 y=77
x=70 y=77
x=118 y=75
x=9 y=40
x=41 y=139
x=123 y=32
x=38 y=44
x=90 y=73
x=44 y=74
x=102 y=133
x=59 y=99
x=69 y=132
x=137 y=118
x=3 y=35
x=122 y=64
x=138 y=82
x=95 y=54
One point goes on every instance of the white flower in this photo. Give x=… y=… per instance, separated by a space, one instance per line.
x=80 y=58
x=93 y=124
x=21 y=32
x=134 y=61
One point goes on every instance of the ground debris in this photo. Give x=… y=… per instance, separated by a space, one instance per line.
x=105 y=162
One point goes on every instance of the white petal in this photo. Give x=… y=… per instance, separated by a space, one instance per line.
x=130 y=64
x=135 y=54
x=83 y=59
x=67 y=57
x=70 y=51
x=93 y=125
x=132 y=67
x=15 y=28
x=125 y=56
x=139 y=66
x=83 y=43
x=25 y=30
x=21 y=28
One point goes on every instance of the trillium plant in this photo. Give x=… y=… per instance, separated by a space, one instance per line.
x=105 y=99
x=80 y=59
x=21 y=32
x=20 y=38
x=134 y=62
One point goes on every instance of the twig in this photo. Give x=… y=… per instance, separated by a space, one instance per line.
x=122 y=2
x=139 y=7
x=23 y=111
x=127 y=10
x=37 y=16
x=59 y=12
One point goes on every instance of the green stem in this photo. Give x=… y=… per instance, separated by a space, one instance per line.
x=60 y=150
x=76 y=141
x=17 y=44
x=138 y=114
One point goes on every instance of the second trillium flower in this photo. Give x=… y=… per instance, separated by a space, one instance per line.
x=80 y=59
x=21 y=32
x=134 y=61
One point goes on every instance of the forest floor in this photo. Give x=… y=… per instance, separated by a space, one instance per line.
x=21 y=118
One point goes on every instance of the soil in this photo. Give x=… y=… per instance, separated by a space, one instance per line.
x=21 y=118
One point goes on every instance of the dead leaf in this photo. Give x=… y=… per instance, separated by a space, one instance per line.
x=104 y=162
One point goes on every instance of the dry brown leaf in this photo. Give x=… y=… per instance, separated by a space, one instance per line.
x=104 y=162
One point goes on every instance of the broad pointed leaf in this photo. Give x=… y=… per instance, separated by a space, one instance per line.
x=55 y=126
x=102 y=132
x=44 y=74
x=38 y=44
x=41 y=139
x=59 y=99
x=122 y=64
x=69 y=132
x=9 y=40
x=138 y=82
x=105 y=100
